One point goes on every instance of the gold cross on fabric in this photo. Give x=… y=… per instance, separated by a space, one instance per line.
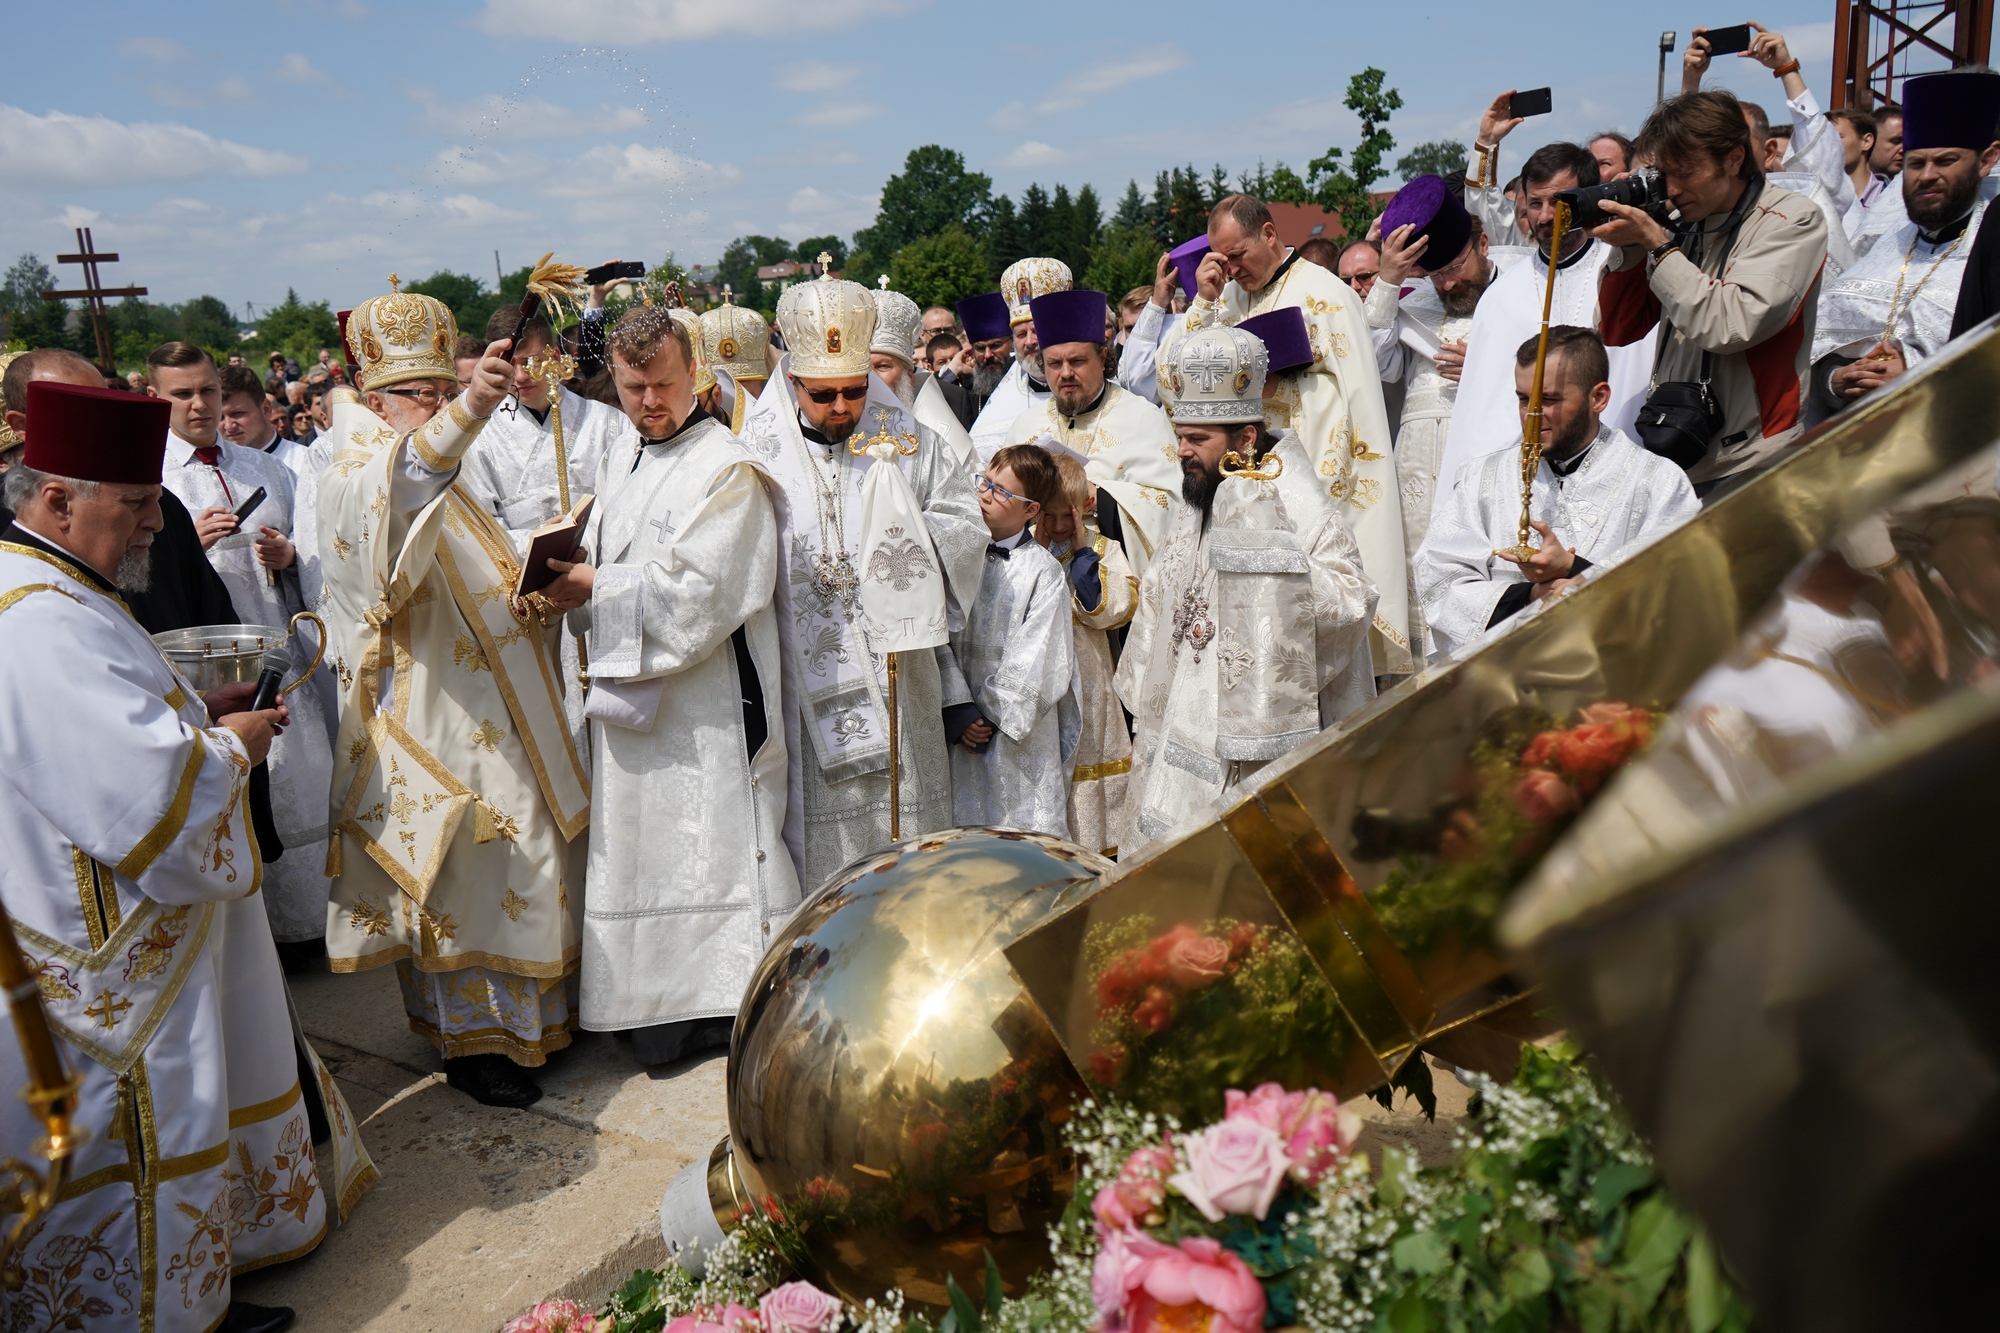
x=107 y=1009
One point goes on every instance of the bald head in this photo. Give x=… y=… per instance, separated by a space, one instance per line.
x=44 y=363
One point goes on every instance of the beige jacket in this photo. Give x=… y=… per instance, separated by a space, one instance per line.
x=1751 y=305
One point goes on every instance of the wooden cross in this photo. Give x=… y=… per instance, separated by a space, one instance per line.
x=94 y=293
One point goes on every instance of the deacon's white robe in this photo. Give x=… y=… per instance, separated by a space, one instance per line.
x=301 y=760
x=1015 y=394
x=513 y=471
x=1101 y=768
x=1485 y=417
x=1015 y=660
x=837 y=806
x=1619 y=499
x=1251 y=636
x=131 y=875
x=932 y=410
x=460 y=801
x=1131 y=455
x=1342 y=426
x=687 y=855
x=1919 y=278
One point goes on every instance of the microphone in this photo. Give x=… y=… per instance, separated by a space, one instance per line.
x=276 y=663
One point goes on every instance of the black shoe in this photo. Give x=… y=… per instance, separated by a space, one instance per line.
x=244 y=1317
x=300 y=956
x=492 y=1080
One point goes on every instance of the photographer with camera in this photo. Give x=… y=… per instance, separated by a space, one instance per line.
x=1733 y=282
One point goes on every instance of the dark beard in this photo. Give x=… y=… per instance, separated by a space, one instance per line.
x=985 y=381
x=1462 y=299
x=1198 y=485
x=1574 y=437
x=1957 y=202
x=135 y=571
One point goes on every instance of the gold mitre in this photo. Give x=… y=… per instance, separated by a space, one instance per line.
x=704 y=375
x=1025 y=279
x=402 y=336
x=736 y=341
x=828 y=324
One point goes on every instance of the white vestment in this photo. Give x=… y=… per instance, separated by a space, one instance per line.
x=131 y=875
x=1015 y=394
x=513 y=471
x=1839 y=250
x=1486 y=418
x=1015 y=659
x=460 y=803
x=1250 y=637
x=1131 y=455
x=301 y=760
x=1101 y=768
x=1619 y=499
x=1919 y=279
x=932 y=410
x=687 y=855
x=837 y=805
x=1343 y=426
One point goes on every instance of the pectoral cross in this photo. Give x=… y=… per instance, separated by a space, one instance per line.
x=666 y=529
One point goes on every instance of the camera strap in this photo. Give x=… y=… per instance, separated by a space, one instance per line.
x=1692 y=240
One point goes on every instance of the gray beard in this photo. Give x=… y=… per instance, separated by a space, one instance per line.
x=135 y=571
x=906 y=389
x=985 y=381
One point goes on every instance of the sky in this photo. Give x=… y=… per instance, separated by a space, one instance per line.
x=239 y=150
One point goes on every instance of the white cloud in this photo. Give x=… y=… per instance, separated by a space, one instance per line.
x=839 y=211
x=296 y=68
x=1034 y=153
x=471 y=208
x=497 y=117
x=612 y=169
x=835 y=114
x=639 y=21
x=163 y=50
x=487 y=166
x=1092 y=82
x=815 y=76
x=59 y=150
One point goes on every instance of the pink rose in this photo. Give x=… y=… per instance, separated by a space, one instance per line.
x=1315 y=1128
x=1236 y=1166
x=1116 y=1272
x=1139 y=1190
x=1542 y=797
x=732 y=1318
x=1197 y=1284
x=1197 y=961
x=557 y=1317
x=798 y=1307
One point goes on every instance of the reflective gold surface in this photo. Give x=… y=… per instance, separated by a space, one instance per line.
x=1388 y=846
x=891 y=1087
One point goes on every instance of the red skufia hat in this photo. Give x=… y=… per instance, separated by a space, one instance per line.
x=96 y=434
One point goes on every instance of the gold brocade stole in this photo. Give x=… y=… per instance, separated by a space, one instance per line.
x=108 y=1002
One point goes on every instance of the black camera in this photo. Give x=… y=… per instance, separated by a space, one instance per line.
x=1645 y=189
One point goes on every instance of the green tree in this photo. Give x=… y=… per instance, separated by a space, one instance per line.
x=1124 y=259
x=932 y=192
x=21 y=290
x=809 y=251
x=1286 y=187
x=1087 y=226
x=1344 y=189
x=743 y=257
x=1132 y=211
x=297 y=329
x=1440 y=157
x=206 y=321
x=1218 y=185
x=863 y=267
x=1182 y=207
x=1032 y=230
x=940 y=269
x=1065 y=241
x=1003 y=240
x=137 y=327
x=471 y=305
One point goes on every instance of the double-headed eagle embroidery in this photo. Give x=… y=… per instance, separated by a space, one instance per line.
x=899 y=563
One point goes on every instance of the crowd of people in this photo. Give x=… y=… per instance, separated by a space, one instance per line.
x=1133 y=548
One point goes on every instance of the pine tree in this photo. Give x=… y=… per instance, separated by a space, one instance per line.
x=1218 y=185
x=1003 y=237
x=1034 y=221
x=1089 y=222
x=1132 y=214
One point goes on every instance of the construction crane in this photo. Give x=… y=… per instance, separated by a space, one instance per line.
x=1876 y=46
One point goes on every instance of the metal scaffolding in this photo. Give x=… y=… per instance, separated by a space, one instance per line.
x=1877 y=46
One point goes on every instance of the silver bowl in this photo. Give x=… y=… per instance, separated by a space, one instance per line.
x=215 y=655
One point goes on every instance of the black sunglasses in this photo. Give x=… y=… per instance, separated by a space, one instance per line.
x=824 y=397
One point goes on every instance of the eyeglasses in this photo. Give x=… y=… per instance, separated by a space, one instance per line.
x=422 y=397
x=993 y=487
x=825 y=397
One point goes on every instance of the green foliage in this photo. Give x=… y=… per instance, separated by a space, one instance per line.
x=808 y=251
x=1003 y=239
x=1343 y=189
x=865 y=268
x=22 y=287
x=297 y=329
x=932 y=192
x=740 y=261
x=1132 y=214
x=470 y=303
x=1125 y=258
x=941 y=269
x=1440 y=157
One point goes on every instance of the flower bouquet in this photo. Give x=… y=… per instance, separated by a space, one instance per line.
x=1524 y=783
x=1183 y=1013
